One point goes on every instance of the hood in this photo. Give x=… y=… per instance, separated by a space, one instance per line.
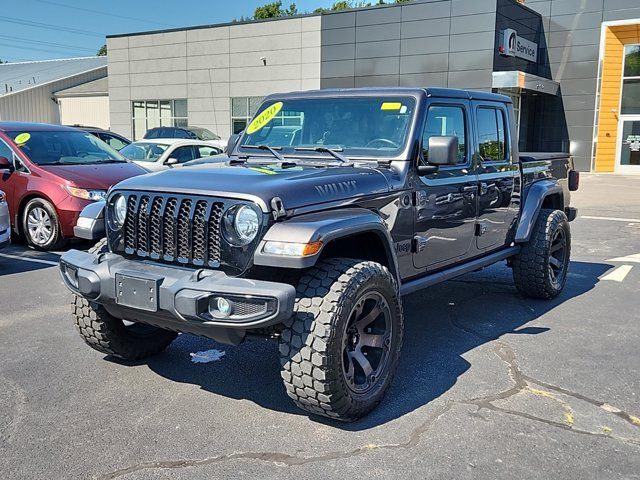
x=96 y=176
x=296 y=186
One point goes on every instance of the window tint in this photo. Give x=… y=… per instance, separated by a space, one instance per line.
x=445 y=121
x=183 y=154
x=491 y=134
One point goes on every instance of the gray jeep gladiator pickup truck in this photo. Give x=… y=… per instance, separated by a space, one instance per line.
x=332 y=205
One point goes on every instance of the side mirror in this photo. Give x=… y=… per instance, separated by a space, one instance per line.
x=443 y=150
x=171 y=161
x=232 y=142
x=6 y=164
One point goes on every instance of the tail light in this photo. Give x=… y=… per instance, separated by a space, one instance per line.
x=574 y=180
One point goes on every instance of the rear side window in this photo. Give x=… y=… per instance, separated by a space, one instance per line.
x=444 y=120
x=113 y=141
x=491 y=134
x=152 y=133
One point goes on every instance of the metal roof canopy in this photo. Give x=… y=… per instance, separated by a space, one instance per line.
x=525 y=81
x=93 y=88
x=19 y=76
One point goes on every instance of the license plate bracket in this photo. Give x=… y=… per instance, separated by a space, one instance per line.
x=137 y=292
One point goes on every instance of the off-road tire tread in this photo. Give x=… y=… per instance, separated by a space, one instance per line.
x=104 y=333
x=531 y=263
x=304 y=341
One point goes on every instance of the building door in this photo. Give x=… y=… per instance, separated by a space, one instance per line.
x=628 y=155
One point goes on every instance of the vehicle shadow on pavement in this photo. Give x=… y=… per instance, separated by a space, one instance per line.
x=442 y=323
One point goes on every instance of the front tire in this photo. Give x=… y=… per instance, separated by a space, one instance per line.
x=540 y=268
x=340 y=350
x=40 y=225
x=107 y=334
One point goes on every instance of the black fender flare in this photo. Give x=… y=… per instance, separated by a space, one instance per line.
x=90 y=223
x=532 y=205
x=324 y=227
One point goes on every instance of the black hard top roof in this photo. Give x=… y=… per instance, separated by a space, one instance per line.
x=436 y=92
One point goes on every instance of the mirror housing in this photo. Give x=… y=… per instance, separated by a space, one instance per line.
x=232 y=142
x=171 y=161
x=443 y=150
x=6 y=164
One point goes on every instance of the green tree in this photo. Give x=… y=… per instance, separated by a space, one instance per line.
x=102 y=51
x=274 y=10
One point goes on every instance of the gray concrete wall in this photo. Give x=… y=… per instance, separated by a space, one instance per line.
x=573 y=38
x=208 y=66
x=445 y=43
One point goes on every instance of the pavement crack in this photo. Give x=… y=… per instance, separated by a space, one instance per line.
x=285 y=459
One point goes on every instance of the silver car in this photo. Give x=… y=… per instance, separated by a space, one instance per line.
x=5 y=225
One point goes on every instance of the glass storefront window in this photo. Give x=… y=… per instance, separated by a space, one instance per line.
x=157 y=113
x=631 y=81
x=242 y=110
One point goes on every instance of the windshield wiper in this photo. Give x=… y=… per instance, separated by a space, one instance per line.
x=331 y=151
x=271 y=150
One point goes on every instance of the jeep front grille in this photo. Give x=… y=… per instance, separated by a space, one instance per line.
x=173 y=228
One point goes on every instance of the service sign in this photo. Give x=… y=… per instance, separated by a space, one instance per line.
x=515 y=46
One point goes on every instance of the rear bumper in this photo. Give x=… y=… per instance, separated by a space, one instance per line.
x=178 y=299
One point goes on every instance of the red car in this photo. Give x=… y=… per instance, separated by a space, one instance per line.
x=49 y=173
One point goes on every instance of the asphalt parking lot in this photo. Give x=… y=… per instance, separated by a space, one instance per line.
x=490 y=385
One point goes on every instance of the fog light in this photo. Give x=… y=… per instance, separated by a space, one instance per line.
x=220 y=307
x=71 y=274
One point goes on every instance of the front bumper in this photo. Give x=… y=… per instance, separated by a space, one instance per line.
x=178 y=298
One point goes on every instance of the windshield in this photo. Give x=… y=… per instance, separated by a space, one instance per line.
x=359 y=126
x=144 y=151
x=64 y=147
x=204 y=134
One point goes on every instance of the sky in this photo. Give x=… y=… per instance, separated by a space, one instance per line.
x=46 y=29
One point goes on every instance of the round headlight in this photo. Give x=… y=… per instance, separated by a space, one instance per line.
x=246 y=223
x=119 y=211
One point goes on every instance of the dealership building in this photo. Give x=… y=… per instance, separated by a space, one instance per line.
x=572 y=67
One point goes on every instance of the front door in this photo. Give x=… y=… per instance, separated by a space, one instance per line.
x=446 y=201
x=628 y=155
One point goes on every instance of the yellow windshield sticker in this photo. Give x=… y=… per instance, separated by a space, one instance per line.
x=391 y=106
x=265 y=117
x=22 y=138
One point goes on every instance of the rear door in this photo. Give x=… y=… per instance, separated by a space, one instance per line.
x=496 y=172
x=446 y=200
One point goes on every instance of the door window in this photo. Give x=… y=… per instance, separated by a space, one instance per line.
x=207 y=151
x=184 y=154
x=443 y=120
x=491 y=134
x=5 y=151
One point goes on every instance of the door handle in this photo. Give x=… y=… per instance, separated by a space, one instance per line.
x=470 y=188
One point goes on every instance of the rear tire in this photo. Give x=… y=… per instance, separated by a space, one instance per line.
x=540 y=269
x=41 y=226
x=107 y=334
x=340 y=350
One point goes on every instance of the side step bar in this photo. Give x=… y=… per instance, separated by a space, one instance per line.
x=453 y=272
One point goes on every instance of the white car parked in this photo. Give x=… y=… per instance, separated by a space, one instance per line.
x=162 y=153
x=5 y=224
